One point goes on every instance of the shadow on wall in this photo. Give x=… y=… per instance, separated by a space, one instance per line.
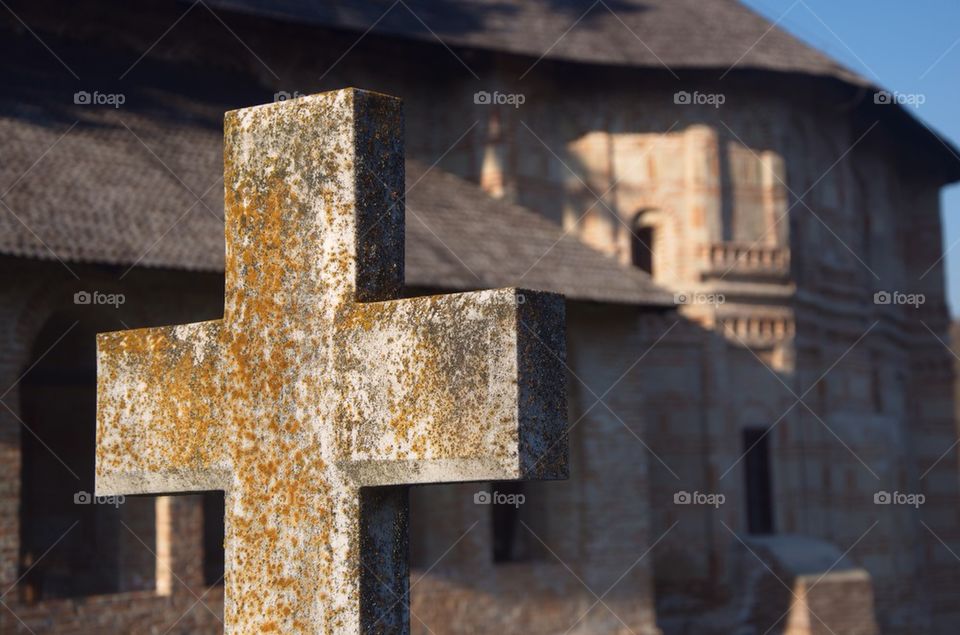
x=651 y=519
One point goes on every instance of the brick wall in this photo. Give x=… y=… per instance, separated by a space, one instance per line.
x=159 y=549
x=798 y=294
x=589 y=534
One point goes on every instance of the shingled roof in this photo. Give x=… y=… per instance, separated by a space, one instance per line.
x=130 y=188
x=672 y=34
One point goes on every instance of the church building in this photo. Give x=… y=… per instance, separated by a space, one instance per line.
x=761 y=398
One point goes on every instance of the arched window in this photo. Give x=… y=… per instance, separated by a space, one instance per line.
x=643 y=236
x=71 y=544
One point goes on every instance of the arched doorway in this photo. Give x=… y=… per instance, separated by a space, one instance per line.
x=641 y=251
x=643 y=240
x=71 y=544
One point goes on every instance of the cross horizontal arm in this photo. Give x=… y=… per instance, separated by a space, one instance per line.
x=160 y=425
x=453 y=388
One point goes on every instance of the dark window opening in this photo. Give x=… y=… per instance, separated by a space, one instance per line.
x=440 y=514
x=519 y=521
x=506 y=521
x=758 y=481
x=213 y=534
x=876 y=382
x=71 y=544
x=642 y=248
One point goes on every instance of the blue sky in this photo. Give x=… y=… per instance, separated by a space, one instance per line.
x=909 y=46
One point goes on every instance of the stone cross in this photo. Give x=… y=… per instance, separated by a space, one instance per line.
x=320 y=396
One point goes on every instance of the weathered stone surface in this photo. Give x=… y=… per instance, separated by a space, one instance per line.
x=320 y=396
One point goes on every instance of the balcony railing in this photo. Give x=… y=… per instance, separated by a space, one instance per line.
x=745 y=259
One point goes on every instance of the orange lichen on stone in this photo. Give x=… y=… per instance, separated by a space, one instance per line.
x=317 y=385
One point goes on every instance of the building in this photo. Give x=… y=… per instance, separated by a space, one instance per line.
x=729 y=456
